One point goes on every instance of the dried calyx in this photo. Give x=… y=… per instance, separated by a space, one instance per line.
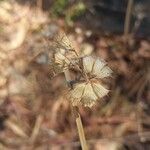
x=88 y=92
x=64 y=55
x=88 y=89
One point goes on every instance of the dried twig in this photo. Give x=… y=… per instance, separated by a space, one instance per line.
x=36 y=128
x=127 y=19
x=16 y=129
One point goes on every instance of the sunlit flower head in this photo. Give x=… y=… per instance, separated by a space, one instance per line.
x=88 y=92
x=96 y=67
x=63 y=56
x=64 y=52
x=88 y=88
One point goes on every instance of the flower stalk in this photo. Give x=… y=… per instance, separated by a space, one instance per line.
x=80 y=128
x=77 y=117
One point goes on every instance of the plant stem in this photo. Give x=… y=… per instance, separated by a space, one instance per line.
x=80 y=128
x=127 y=18
x=77 y=117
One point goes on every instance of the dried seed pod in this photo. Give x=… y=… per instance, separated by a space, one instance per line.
x=96 y=67
x=61 y=60
x=87 y=93
x=64 y=55
x=63 y=42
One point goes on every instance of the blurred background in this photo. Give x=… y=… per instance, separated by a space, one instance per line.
x=34 y=112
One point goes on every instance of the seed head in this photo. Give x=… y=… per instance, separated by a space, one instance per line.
x=93 y=70
x=89 y=91
x=63 y=56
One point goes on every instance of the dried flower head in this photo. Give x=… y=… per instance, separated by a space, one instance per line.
x=89 y=88
x=64 y=54
x=96 y=67
x=63 y=42
x=88 y=92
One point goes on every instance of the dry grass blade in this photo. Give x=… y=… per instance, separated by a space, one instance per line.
x=16 y=129
x=36 y=128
